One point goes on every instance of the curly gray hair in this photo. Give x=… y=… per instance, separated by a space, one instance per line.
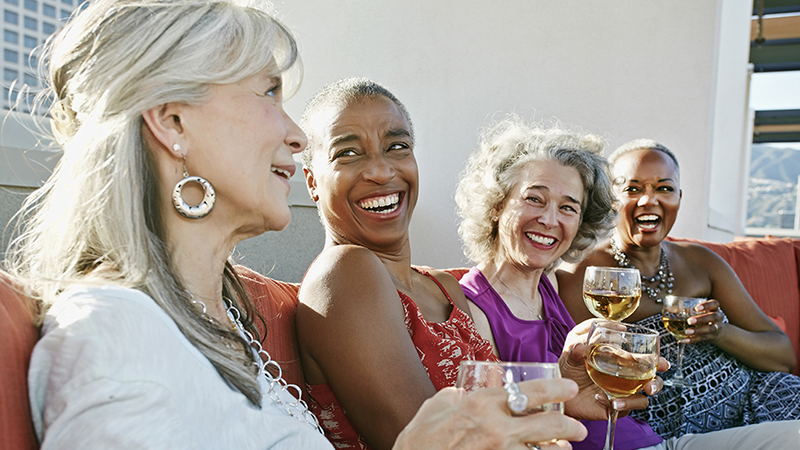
x=492 y=171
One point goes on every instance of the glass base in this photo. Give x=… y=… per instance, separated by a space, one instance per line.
x=678 y=382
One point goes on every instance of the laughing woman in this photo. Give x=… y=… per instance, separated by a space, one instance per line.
x=377 y=336
x=738 y=359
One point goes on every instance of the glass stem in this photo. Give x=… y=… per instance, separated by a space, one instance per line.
x=679 y=374
x=612 y=425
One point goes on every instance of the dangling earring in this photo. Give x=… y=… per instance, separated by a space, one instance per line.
x=209 y=196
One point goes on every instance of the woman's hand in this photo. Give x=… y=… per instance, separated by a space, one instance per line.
x=482 y=420
x=706 y=326
x=591 y=403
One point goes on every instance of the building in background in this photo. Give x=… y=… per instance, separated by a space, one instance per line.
x=26 y=26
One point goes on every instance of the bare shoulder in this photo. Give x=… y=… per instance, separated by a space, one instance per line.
x=695 y=256
x=453 y=288
x=343 y=271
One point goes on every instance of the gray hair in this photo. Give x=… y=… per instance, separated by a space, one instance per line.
x=505 y=148
x=97 y=218
x=339 y=94
x=643 y=144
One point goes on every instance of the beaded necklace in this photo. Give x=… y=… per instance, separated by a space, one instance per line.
x=273 y=385
x=663 y=279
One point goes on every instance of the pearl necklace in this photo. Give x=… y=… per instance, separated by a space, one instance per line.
x=274 y=385
x=663 y=276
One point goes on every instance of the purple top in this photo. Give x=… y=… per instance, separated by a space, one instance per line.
x=542 y=341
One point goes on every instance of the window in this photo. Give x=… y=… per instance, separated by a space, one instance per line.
x=65 y=14
x=31 y=23
x=12 y=2
x=10 y=17
x=30 y=80
x=11 y=36
x=48 y=28
x=48 y=10
x=31 y=61
x=29 y=41
x=31 y=5
x=9 y=75
x=66 y=2
x=10 y=55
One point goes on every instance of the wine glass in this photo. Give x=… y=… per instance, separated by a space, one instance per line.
x=675 y=313
x=474 y=375
x=620 y=358
x=612 y=293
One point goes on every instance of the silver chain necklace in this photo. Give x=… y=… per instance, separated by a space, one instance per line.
x=663 y=279
x=518 y=298
x=274 y=384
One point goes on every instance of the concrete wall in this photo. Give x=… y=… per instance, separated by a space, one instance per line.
x=672 y=71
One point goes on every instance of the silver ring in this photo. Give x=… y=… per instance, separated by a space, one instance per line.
x=517 y=401
x=533 y=446
x=716 y=327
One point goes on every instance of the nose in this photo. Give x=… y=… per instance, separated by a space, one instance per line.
x=295 y=138
x=379 y=170
x=548 y=218
x=648 y=197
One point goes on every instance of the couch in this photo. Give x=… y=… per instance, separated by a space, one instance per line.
x=768 y=268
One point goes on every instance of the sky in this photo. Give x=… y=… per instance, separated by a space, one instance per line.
x=776 y=90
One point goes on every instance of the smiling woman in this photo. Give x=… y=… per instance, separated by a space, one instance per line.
x=739 y=357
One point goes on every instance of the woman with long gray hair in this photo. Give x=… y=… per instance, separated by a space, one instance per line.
x=175 y=148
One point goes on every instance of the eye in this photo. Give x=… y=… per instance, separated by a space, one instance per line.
x=344 y=153
x=570 y=208
x=399 y=146
x=630 y=189
x=534 y=199
x=666 y=189
x=275 y=90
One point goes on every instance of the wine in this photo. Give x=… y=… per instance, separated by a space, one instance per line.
x=611 y=305
x=617 y=372
x=676 y=325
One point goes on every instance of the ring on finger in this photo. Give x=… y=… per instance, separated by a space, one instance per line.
x=716 y=327
x=517 y=401
x=533 y=446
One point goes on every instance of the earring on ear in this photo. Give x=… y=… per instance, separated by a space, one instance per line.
x=183 y=208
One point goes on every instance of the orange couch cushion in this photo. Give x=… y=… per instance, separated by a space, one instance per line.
x=768 y=269
x=18 y=335
x=276 y=301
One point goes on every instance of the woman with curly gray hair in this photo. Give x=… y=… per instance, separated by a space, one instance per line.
x=532 y=195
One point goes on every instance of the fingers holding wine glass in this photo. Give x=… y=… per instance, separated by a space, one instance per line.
x=680 y=315
x=621 y=362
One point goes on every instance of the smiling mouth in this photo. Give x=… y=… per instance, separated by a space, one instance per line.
x=540 y=239
x=648 y=221
x=281 y=172
x=381 y=205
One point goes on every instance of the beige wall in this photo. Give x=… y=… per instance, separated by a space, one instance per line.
x=672 y=71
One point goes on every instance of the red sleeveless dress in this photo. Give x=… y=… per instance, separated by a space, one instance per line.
x=441 y=348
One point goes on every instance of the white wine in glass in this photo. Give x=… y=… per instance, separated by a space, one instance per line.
x=612 y=293
x=675 y=314
x=620 y=358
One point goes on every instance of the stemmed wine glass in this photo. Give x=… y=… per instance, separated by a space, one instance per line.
x=620 y=358
x=612 y=293
x=474 y=375
x=675 y=313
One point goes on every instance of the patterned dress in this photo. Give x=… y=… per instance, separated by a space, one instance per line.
x=726 y=392
x=441 y=348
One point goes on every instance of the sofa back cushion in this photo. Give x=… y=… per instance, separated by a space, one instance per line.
x=768 y=269
x=18 y=335
x=276 y=301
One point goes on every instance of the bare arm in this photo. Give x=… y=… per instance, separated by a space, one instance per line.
x=352 y=335
x=750 y=336
x=570 y=289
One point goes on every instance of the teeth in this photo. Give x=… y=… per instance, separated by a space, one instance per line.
x=540 y=239
x=390 y=202
x=648 y=221
x=648 y=217
x=284 y=173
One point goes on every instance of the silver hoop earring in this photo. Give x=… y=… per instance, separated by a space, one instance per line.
x=185 y=209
